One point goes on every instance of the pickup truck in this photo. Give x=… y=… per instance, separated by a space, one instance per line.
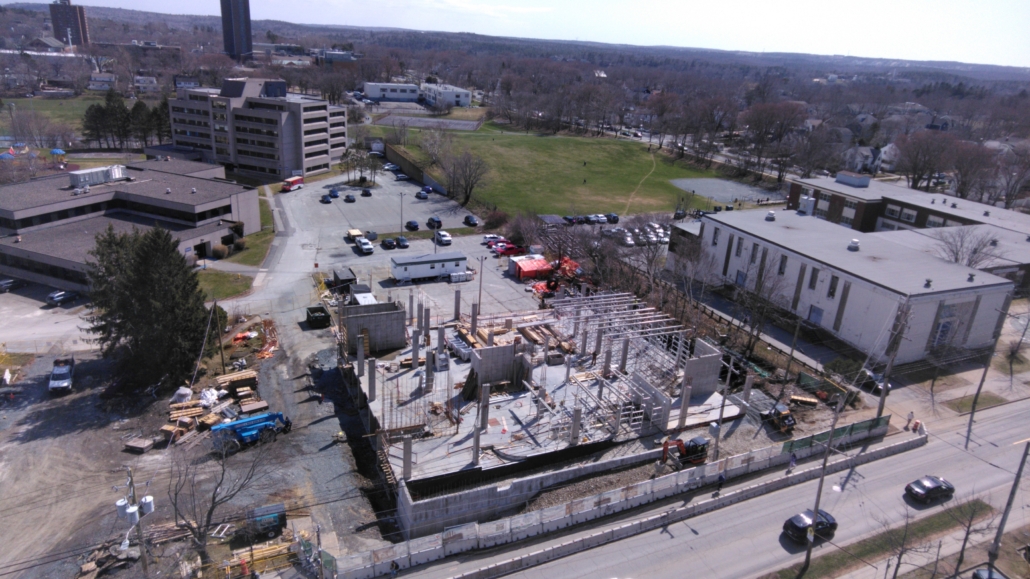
x=62 y=375
x=511 y=250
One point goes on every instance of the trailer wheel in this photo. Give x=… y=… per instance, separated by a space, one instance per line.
x=267 y=435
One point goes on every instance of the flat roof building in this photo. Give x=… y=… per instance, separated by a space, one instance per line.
x=69 y=22
x=256 y=126
x=852 y=284
x=441 y=94
x=390 y=91
x=48 y=225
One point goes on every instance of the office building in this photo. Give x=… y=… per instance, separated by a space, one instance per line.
x=236 y=29
x=70 y=26
x=255 y=126
x=445 y=94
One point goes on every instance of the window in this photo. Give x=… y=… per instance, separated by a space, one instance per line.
x=934 y=221
x=850 y=204
x=823 y=196
x=821 y=213
x=740 y=246
x=741 y=278
x=783 y=265
x=315 y=131
x=813 y=279
x=715 y=236
x=315 y=154
x=316 y=142
x=846 y=220
x=832 y=292
x=197 y=97
x=218 y=105
x=754 y=252
x=908 y=215
x=893 y=211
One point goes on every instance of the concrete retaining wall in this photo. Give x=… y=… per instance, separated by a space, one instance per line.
x=384 y=322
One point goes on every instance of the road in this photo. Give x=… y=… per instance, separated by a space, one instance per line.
x=744 y=540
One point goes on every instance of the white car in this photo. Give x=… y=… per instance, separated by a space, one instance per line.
x=365 y=246
x=390 y=167
x=443 y=238
x=491 y=237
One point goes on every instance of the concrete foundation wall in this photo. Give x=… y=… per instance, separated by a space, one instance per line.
x=384 y=322
x=494 y=364
x=656 y=404
x=704 y=369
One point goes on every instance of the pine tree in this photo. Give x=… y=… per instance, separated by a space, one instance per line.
x=139 y=123
x=147 y=309
x=94 y=124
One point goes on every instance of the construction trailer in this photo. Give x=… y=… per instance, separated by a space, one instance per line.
x=428 y=266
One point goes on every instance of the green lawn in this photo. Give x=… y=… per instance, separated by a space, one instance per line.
x=965 y=404
x=838 y=561
x=546 y=174
x=257 y=243
x=218 y=285
x=67 y=111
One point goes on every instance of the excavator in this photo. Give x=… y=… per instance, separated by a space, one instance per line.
x=694 y=451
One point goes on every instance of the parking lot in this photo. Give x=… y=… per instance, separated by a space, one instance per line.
x=384 y=212
x=30 y=325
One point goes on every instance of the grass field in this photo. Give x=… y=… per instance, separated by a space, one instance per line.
x=257 y=243
x=573 y=175
x=965 y=404
x=67 y=111
x=218 y=285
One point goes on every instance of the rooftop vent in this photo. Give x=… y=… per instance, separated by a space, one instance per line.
x=954 y=205
x=85 y=189
x=987 y=213
x=194 y=191
x=971 y=276
x=770 y=216
x=168 y=191
x=853 y=246
x=994 y=243
x=853 y=179
x=933 y=202
x=928 y=282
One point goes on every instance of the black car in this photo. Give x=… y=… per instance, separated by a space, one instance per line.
x=569 y=220
x=389 y=243
x=348 y=198
x=366 y=192
x=7 y=285
x=402 y=242
x=412 y=225
x=612 y=217
x=334 y=193
x=434 y=223
x=326 y=199
x=930 y=488
x=471 y=221
x=797 y=526
x=61 y=297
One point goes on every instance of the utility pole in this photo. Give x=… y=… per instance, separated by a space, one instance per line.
x=139 y=525
x=793 y=342
x=819 y=490
x=992 y=552
x=976 y=396
x=722 y=409
x=897 y=333
x=479 y=302
x=402 y=213
x=221 y=350
x=321 y=568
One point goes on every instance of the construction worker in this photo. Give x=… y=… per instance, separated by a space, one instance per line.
x=722 y=479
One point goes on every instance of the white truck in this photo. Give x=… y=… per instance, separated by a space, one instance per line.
x=62 y=375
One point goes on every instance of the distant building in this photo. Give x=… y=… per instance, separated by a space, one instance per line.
x=46 y=44
x=145 y=84
x=236 y=29
x=254 y=125
x=391 y=91
x=183 y=81
x=327 y=57
x=69 y=23
x=102 y=81
x=439 y=94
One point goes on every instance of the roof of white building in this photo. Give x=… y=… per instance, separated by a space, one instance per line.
x=879 y=261
x=1011 y=249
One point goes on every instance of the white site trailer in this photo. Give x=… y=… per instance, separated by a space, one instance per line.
x=428 y=266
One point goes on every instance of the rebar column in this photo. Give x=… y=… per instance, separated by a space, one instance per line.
x=577 y=416
x=371 y=379
x=407 y=458
x=457 y=304
x=427 y=323
x=625 y=355
x=475 y=317
x=361 y=355
x=685 y=388
x=484 y=405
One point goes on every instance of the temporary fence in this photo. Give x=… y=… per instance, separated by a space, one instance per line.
x=473 y=535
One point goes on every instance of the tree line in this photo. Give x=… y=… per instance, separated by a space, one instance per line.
x=113 y=124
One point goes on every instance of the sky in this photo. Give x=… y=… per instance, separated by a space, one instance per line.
x=972 y=31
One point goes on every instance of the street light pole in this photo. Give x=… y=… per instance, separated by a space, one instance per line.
x=819 y=490
x=992 y=552
x=479 y=301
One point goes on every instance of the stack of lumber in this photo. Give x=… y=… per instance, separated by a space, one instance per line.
x=164 y=533
x=532 y=335
x=176 y=414
x=258 y=553
x=469 y=338
x=406 y=363
x=235 y=380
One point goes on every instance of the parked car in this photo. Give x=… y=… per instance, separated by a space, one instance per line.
x=334 y=193
x=366 y=192
x=402 y=177
x=375 y=153
x=7 y=285
x=412 y=225
x=389 y=243
x=426 y=189
x=61 y=297
x=442 y=237
x=422 y=195
x=471 y=221
x=348 y=198
x=930 y=488
x=612 y=217
x=493 y=243
x=326 y=199
x=628 y=241
x=569 y=219
x=390 y=167
x=365 y=246
x=600 y=218
x=988 y=574
x=491 y=237
x=512 y=250
x=402 y=242
x=872 y=381
x=434 y=223
x=371 y=235
x=797 y=526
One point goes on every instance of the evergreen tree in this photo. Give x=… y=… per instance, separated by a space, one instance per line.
x=94 y=124
x=139 y=123
x=147 y=309
x=161 y=121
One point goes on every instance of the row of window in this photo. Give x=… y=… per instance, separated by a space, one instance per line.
x=265 y=106
x=188 y=110
x=338 y=114
x=257 y=155
x=781 y=268
x=317 y=142
x=312 y=154
x=53 y=271
x=195 y=134
x=113 y=205
x=259 y=132
x=317 y=167
x=256 y=169
x=250 y=119
x=191 y=122
x=340 y=145
x=313 y=120
x=255 y=142
x=337 y=125
x=315 y=108
x=310 y=132
x=198 y=97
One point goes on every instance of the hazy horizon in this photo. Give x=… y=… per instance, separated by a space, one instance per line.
x=947 y=30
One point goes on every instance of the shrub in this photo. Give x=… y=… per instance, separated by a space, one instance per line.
x=496 y=219
x=846 y=367
x=219 y=251
x=239 y=244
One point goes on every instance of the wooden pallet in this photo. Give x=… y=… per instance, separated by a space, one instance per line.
x=187 y=413
x=241 y=378
x=184 y=405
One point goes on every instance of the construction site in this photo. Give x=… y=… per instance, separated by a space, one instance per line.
x=506 y=406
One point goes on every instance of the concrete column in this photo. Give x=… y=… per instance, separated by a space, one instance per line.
x=748 y=383
x=439 y=341
x=411 y=307
x=583 y=344
x=407 y=458
x=429 y=371
x=371 y=379
x=457 y=304
x=490 y=338
x=427 y=322
x=625 y=355
x=597 y=341
x=575 y=324
x=418 y=326
x=475 y=317
x=475 y=446
x=416 y=347
x=540 y=403
x=568 y=369
x=361 y=355
x=577 y=416
x=507 y=324
x=607 y=362
x=484 y=401
x=685 y=387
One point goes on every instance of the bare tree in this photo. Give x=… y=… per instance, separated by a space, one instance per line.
x=974 y=519
x=695 y=270
x=973 y=165
x=465 y=172
x=525 y=229
x=1013 y=174
x=200 y=486
x=900 y=541
x=436 y=144
x=968 y=246
x=923 y=154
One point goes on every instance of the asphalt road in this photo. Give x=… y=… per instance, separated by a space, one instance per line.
x=744 y=540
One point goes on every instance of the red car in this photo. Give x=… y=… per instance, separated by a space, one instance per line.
x=494 y=242
x=512 y=250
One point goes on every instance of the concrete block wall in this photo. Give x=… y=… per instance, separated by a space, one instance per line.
x=704 y=369
x=494 y=363
x=385 y=324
